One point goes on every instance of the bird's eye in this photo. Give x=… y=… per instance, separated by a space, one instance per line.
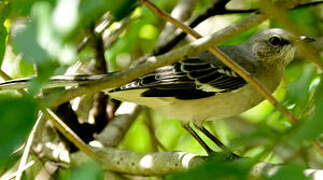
x=275 y=41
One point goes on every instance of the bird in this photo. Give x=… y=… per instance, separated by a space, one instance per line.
x=201 y=88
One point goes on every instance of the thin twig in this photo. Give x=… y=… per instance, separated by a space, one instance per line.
x=69 y=134
x=318 y=148
x=99 y=99
x=6 y=77
x=28 y=145
x=12 y=175
x=114 y=132
x=151 y=128
x=241 y=11
x=226 y=60
x=114 y=35
x=216 y=8
x=182 y=11
x=106 y=22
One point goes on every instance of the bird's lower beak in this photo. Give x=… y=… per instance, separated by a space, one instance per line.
x=305 y=39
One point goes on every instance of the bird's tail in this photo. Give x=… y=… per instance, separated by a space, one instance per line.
x=55 y=81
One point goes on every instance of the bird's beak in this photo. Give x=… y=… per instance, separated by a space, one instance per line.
x=305 y=39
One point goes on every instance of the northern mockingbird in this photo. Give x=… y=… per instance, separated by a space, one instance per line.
x=202 y=88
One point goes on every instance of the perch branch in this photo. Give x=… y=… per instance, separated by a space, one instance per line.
x=116 y=129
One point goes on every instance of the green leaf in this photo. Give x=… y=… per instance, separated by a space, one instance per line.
x=3 y=35
x=289 y=172
x=4 y=12
x=306 y=20
x=89 y=12
x=92 y=10
x=23 y=8
x=45 y=70
x=39 y=41
x=313 y=125
x=17 y=117
x=298 y=91
x=123 y=9
x=217 y=169
x=25 y=42
x=91 y=170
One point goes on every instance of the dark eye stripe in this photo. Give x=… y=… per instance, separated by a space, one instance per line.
x=285 y=42
x=277 y=41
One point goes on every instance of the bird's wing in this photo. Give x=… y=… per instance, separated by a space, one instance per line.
x=192 y=78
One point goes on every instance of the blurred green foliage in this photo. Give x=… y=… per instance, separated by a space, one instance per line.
x=47 y=33
x=17 y=117
x=91 y=170
x=217 y=169
x=290 y=172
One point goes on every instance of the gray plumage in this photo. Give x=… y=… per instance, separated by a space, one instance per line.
x=202 y=88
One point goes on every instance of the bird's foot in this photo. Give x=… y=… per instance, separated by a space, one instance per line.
x=226 y=155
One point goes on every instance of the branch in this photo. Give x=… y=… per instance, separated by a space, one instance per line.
x=163 y=163
x=147 y=164
x=106 y=22
x=114 y=35
x=6 y=77
x=148 y=121
x=217 y=7
x=11 y=175
x=100 y=100
x=182 y=11
x=28 y=145
x=241 y=11
x=69 y=134
x=116 y=129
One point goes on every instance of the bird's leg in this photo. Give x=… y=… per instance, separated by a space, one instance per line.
x=197 y=137
x=217 y=141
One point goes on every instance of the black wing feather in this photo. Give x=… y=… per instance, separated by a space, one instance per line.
x=188 y=79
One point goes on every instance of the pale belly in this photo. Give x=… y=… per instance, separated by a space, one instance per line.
x=198 y=110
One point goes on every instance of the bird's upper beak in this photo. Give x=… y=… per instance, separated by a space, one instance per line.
x=305 y=39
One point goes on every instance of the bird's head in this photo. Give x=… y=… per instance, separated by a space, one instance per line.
x=275 y=46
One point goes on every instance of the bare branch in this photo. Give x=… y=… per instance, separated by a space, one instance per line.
x=182 y=11
x=27 y=147
x=163 y=163
x=216 y=7
x=116 y=129
x=128 y=162
x=69 y=134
